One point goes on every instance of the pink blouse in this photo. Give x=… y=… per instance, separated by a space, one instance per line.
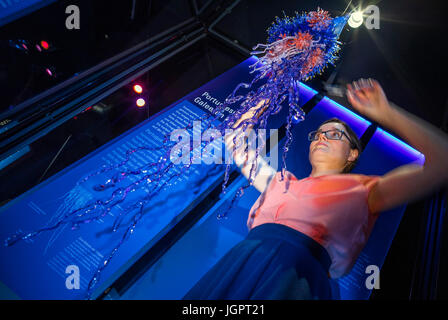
x=331 y=209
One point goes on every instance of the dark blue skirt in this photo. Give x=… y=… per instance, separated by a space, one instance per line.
x=274 y=262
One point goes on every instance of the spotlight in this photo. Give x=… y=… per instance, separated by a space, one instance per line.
x=140 y=102
x=49 y=72
x=138 y=88
x=356 y=19
x=44 y=44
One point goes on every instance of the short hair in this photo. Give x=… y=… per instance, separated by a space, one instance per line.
x=355 y=143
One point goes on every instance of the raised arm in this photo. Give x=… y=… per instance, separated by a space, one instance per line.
x=410 y=182
x=262 y=173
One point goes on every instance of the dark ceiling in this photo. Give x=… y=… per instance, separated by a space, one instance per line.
x=406 y=54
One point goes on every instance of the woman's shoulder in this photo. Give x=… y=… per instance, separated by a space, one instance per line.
x=363 y=176
x=365 y=179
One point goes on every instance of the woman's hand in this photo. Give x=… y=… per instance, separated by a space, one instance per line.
x=368 y=98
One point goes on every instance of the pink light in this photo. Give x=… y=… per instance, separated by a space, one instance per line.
x=138 y=88
x=140 y=102
x=49 y=72
x=38 y=48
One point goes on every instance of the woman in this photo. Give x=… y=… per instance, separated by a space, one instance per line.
x=295 y=242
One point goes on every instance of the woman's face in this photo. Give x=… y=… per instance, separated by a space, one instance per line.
x=333 y=153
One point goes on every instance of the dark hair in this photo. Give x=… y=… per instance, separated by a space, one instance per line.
x=355 y=143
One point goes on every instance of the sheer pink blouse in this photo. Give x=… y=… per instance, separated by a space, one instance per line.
x=331 y=209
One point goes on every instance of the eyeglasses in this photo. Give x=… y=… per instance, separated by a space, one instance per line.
x=332 y=134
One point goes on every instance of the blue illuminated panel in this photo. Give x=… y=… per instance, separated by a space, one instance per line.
x=35 y=269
